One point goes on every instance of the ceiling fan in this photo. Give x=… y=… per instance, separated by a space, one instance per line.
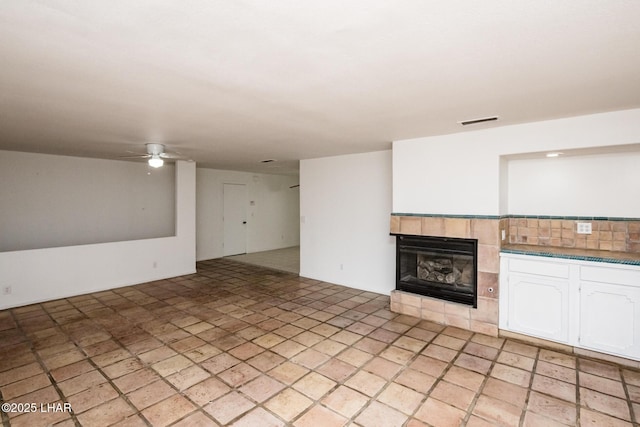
x=156 y=154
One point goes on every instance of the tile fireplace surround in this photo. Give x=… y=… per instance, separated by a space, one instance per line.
x=619 y=237
x=483 y=319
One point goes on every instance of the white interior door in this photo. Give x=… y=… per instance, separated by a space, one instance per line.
x=235 y=219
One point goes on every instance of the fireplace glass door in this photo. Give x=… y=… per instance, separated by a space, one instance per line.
x=438 y=267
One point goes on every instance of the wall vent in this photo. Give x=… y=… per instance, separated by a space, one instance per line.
x=476 y=121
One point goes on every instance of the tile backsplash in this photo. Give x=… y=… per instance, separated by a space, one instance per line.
x=607 y=234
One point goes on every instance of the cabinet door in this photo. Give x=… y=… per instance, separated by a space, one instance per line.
x=539 y=306
x=610 y=318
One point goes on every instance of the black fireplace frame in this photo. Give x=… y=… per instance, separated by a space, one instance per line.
x=445 y=246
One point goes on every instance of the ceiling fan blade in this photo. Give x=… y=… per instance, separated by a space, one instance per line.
x=174 y=156
x=141 y=156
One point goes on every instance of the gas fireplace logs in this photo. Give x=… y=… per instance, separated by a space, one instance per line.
x=444 y=270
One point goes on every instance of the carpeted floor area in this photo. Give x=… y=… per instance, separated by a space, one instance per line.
x=287 y=259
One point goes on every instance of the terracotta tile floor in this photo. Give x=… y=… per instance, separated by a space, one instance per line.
x=246 y=346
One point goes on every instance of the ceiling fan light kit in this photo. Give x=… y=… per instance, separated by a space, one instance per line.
x=155 y=150
x=155 y=161
x=156 y=155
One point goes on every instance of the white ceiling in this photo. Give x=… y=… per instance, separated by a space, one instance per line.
x=230 y=83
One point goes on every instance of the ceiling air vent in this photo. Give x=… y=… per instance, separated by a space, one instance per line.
x=476 y=121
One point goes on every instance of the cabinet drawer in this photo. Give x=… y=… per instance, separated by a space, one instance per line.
x=618 y=276
x=540 y=268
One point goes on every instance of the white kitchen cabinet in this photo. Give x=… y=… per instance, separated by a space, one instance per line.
x=610 y=312
x=588 y=304
x=539 y=306
x=536 y=297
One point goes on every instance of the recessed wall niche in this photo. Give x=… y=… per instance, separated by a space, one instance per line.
x=595 y=183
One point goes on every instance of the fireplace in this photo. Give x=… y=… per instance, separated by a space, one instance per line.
x=438 y=267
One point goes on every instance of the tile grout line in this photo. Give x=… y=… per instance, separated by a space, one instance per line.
x=3 y=415
x=390 y=380
x=578 y=394
x=99 y=369
x=164 y=379
x=622 y=383
x=285 y=360
x=199 y=408
x=478 y=393
x=625 y=387
x=338 y=384
x=440 y=378
x=135 y=356
x=317 y=401
x=530 y=387
x=356 y=371
x=38 y=358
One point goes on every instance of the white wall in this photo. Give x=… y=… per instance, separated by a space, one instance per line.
x=52 y=201
x=272 y=222
x=587 y=185
x=44 y=274
x=345 y=207
x=461 y=173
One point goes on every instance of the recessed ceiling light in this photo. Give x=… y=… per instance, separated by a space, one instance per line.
x=267 y=161
x=477 y=121
x=555 y=154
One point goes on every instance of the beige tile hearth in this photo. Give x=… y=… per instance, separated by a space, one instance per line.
x=242 y=345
